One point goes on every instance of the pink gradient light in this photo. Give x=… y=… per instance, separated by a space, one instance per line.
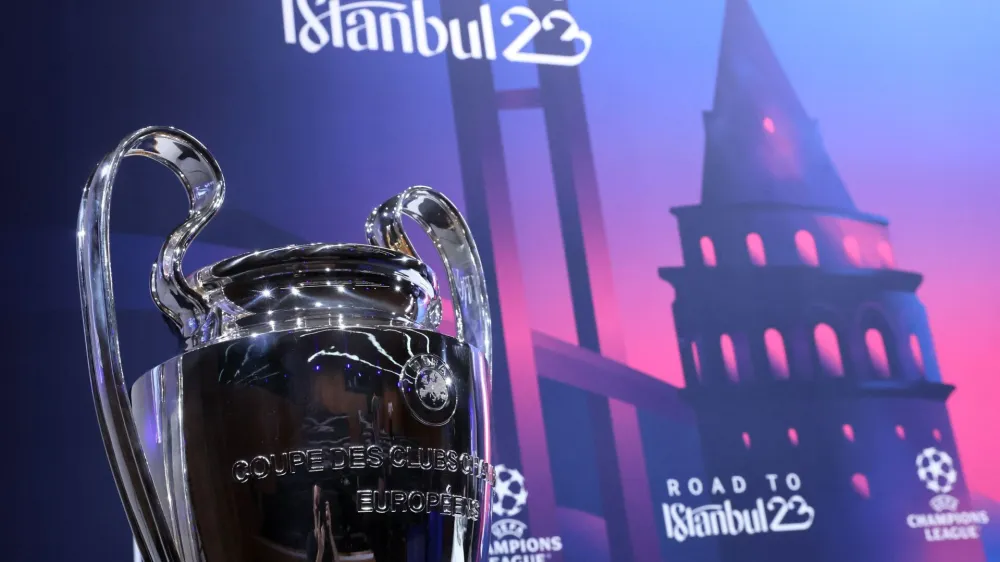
x=828 y=349
x=607 y=308
x=768 y=125
x=635 y=481
x=697 y=359
x=888 y=169
x=755 y=247
x=853 y=250
x=515 y=309
x=937 y=435
x=918 y=356
x=793 y=436
x=897 y=175
x=860 y=483
x=708 y=251
x=848 y=432
x=746 y=440
x=729 y=357
x=806 y=245
x=963 y=307
x=776 y=354
x=900 y=432
x=885 y=254
x=876 y=351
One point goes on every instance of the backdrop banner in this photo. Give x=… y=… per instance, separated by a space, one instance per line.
x=741 y=254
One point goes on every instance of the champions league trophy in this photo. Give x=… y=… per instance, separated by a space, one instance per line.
x=315 y=412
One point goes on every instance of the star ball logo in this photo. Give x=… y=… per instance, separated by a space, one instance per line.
x=936 y=470
x=509 y=493
x=387 y=26
x=511 y=541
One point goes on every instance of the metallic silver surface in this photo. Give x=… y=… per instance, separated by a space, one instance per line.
x=451 y=235
x=314 y=286
x=315 y=413
x=202 y=178
x=313 y=445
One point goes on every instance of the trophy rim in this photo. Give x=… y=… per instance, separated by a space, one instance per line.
x=349 y=255
x=311 y=285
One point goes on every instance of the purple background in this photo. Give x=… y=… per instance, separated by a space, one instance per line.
x=905 y=95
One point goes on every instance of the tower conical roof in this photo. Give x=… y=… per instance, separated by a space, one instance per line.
x=761 y=146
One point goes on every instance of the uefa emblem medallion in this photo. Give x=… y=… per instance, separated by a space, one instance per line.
x=429 y=389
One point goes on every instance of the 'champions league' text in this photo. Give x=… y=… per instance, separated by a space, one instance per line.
x=964 y=525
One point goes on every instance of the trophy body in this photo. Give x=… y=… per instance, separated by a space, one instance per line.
x=316 y=413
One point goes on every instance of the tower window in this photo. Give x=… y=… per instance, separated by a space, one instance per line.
x=708 y=252
x=876 y=351
x=806 y=245
x=885 y=254
x=860 y=483
x=746 y=440
x=828 y=350
x=848 y=432
x=729 y=357
x=918 y=356
x=900 y=432
x=755 y=247
x=852 y=250
x=793 y=436
x=768 y=125
x=776 y=354
x=697 y=360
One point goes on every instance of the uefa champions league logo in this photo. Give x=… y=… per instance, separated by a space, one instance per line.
x=388 y=26
x=510 y=543
x=937 y=471
x=509 y=493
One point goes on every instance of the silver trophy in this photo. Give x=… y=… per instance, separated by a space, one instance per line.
x=315 y=413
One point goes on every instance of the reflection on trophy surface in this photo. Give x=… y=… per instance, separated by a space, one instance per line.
x=315 y=412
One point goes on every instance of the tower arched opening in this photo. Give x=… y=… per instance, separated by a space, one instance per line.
x=885 y=256
x=829 y=356
x=777 y=354
x=917 y=353
x=805 y=244
x=881 y=355
x=852 y=250
x=755 y=248
x=829 y=348
x=708 y=252
x=729 y=361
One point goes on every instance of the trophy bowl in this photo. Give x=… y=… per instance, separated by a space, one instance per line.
x=316 y=412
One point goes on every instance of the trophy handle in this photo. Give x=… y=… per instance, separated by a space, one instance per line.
x=202 y=179
x=451 y=235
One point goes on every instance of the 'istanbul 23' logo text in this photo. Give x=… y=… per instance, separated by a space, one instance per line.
x=777 y=514
x=383 y=25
